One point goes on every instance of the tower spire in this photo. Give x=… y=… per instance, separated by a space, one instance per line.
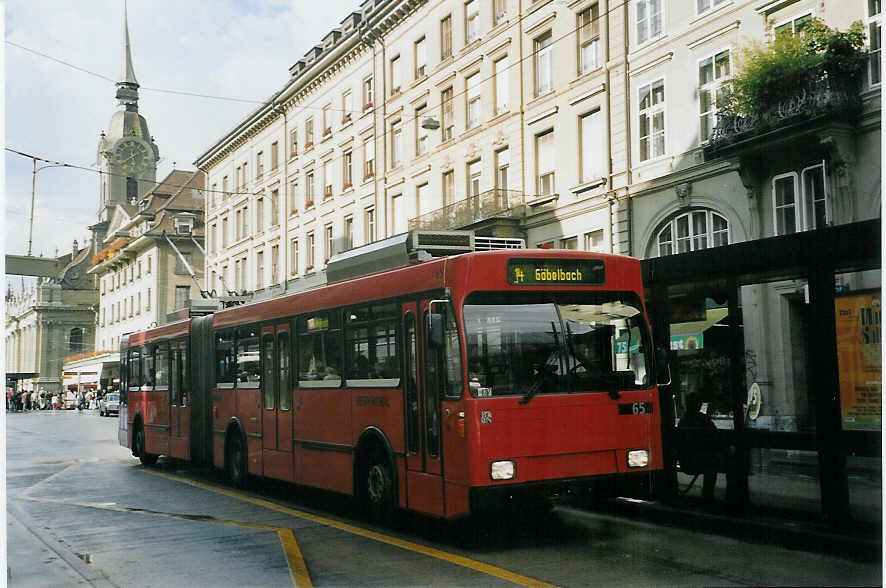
x=127 y=88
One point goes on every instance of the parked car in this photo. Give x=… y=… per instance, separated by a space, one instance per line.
x=110 y=403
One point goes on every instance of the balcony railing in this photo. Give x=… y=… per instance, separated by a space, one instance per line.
x=473 y=209
x=821 y=96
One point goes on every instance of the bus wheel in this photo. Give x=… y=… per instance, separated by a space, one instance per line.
x=138 y=449
x=379 y=489
x=235 y=460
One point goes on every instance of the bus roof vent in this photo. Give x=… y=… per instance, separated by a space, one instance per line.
x=397 y=251
x=438 y=243
x=490 y=243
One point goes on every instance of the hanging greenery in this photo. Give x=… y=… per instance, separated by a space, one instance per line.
x=773 y=72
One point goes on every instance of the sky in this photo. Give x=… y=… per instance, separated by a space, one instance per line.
x=225 y=48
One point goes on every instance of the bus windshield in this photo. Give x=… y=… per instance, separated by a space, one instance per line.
x=537 y=343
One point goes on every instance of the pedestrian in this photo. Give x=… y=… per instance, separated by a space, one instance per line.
x=703 y=458
x=54 y=401
x=35 y=398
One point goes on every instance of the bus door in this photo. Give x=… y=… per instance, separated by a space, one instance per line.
x=424 y=480
x=277 y=401
x=179 y=413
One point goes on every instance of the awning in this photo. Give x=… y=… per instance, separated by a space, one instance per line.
x=690 y=335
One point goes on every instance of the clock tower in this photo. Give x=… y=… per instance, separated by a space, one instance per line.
x=127 y=154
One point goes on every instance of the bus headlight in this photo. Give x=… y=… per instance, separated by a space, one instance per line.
x=503 y=470
x=638 y=458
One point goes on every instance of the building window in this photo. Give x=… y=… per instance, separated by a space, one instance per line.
x=311 y=246
x=472 y=83
x=800 y=202
x=244 y=230
x=447 y=118
x=448 y=187
x=594 y=241
x=75 y=340
x=874 y=40
x=327 y=179
x=499 y=12
x=347 y=107
x=691 y=231
x=349 y=232
x=794 y=26
x=293 y=142
x=420 y=60
x=293 y=257
x=588 y=39
x=275 y=159
x=368 y=158
x=182 y=295
x=395 y=74
x=367 y=93
x=347 y=169
x=398 y=214
x=475 y=171
x=396 y=143
x=148 y=300
x=545 y=156
x=275 y=264
x=309 y=132
x=500 y=72
x=259 y=215
x=139 y=307
x=224 y=240
x=593 y=146
x=446 y=37
x=649 y=20
x=543 y=64
x=502 y=162
x=148 y=271
x=369 y=225
x=293 y=196
x=259 y=165
x=421 y=134
x=309 y=189
x=422 y=202
x=472 y=21
x=327 y=120
x=652 y=120
x=245 y=177
x=702 y=6
x=275 y=207
x=330 y=242
x=713 y=72
x=570 y=243
x=225 y=191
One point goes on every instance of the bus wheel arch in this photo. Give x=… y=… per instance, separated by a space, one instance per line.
x=375 y=475
x=236 y=468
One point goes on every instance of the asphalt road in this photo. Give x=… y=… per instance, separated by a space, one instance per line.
x=82 y=511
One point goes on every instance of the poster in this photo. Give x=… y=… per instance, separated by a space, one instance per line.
x=859 y=336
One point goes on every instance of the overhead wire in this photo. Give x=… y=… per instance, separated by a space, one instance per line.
x=385 y=130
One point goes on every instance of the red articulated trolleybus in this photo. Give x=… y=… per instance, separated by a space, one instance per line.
x=448 y=386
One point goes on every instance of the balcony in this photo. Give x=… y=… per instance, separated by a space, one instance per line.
x=473 y=211
x=821 y=99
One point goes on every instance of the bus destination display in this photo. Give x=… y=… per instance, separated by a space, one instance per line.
x=561 y=272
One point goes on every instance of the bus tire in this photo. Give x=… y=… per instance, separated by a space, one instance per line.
x=378 y=488
x=235 y=459
x=138 y=447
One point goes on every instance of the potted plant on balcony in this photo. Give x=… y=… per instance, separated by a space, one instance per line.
x=309 y=144
x=367 y=106
x=346 y=118
x=816 y=68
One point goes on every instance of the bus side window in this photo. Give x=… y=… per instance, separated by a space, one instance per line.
x=175 y=375
x=248 y=364
x=147 y=368
x=133 y=378
x=283 y=355
x=161 y=366
x=224 y=359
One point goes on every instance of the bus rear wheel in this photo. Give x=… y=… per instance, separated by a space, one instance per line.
x=138 y=448
x=378 y=489
x=235 y=461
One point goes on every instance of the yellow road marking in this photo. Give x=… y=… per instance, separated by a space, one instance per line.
x=458 y=560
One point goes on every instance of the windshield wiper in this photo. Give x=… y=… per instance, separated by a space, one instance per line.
x=531 y=392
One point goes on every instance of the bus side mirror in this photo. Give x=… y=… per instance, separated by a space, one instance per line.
x=662 y=367
x=435 y=330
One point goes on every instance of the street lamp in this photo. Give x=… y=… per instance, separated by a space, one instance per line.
x=33 y=197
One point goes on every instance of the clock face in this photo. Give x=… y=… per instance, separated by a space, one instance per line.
x=130 y=154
